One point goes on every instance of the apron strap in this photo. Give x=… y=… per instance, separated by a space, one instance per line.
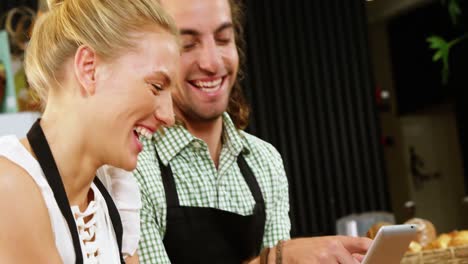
x=114 y=215
x=40 y=147
x=250 y=179
x=172 y=197
x=46 y=160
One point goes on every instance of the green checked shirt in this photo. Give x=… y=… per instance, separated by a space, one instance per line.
x=200 y=184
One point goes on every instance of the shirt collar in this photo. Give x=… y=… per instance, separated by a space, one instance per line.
x=172 y=140
x=232 y=137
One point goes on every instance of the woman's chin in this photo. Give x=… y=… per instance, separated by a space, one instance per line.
x=130 y=167
x=129 y=164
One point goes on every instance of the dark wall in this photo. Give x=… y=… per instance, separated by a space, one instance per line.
x=6 y=5
x=310 y=87
x=418 y=79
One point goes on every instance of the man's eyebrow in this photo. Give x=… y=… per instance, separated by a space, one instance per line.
x=187 y=31
x=226 y=25
x=193 y=32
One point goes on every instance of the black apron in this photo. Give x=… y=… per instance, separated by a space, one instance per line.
x=209 y=235
x=41 y=148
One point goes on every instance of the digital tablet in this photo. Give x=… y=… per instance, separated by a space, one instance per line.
x=390 y=244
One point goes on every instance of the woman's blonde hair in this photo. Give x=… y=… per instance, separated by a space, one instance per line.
x=103 y=25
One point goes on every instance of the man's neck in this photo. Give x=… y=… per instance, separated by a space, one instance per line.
x=211 y=133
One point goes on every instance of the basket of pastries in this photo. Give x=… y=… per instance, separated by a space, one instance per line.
x=430 y=248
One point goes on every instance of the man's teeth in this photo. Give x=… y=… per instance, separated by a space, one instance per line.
x=208 y=84
x=143 y=131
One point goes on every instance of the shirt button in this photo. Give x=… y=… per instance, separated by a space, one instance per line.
x=196 y=145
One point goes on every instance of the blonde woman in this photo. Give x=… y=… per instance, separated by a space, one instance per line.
x=104 y=70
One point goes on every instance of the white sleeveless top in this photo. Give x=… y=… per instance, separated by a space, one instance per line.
x=103 y=249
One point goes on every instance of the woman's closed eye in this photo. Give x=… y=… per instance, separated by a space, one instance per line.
x=159 y=82
x=157 y=88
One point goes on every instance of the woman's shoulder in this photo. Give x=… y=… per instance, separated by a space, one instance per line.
x=21 y=184
x=25 y=219
x=16 y=158
x=20 y=197
x=15 y=181
x=18 y=190
x=12 y=174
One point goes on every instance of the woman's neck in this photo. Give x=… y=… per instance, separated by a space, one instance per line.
x=68 y=144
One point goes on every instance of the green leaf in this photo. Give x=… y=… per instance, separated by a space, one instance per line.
x=454 y=11
x=436 y=42
x=437 y=56
x=440 y=45
x=442 y=52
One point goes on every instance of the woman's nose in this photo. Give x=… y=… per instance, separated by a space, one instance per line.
x=164 y=111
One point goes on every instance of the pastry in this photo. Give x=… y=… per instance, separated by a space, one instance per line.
x=441 y=242
x=372 y=232
x=426 y=230
x=459 y=238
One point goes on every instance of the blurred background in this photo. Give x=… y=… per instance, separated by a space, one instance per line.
x=370 y=124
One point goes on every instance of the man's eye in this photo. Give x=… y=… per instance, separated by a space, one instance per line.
x=224 y=41
x=188 y=46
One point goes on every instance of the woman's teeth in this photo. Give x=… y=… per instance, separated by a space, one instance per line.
x=143 y=131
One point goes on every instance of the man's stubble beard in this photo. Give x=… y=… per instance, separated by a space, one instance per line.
x=190 y=112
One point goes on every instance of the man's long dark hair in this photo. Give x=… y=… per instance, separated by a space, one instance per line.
x=238 y=108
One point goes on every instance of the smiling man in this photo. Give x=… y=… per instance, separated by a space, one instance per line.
x=211 y=192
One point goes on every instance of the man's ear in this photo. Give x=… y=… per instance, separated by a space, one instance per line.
x=85 y=69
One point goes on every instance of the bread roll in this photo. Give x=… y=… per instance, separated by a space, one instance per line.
x=459 y=238
x=414 y=247
x=372 y=232
x=442 y=242
x=426 y=230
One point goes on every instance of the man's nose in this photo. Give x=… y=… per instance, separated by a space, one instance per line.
x=210 y=57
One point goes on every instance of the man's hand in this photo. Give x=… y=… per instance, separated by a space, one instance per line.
x=323 y=250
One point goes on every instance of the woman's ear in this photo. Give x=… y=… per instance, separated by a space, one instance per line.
x=85 y=69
